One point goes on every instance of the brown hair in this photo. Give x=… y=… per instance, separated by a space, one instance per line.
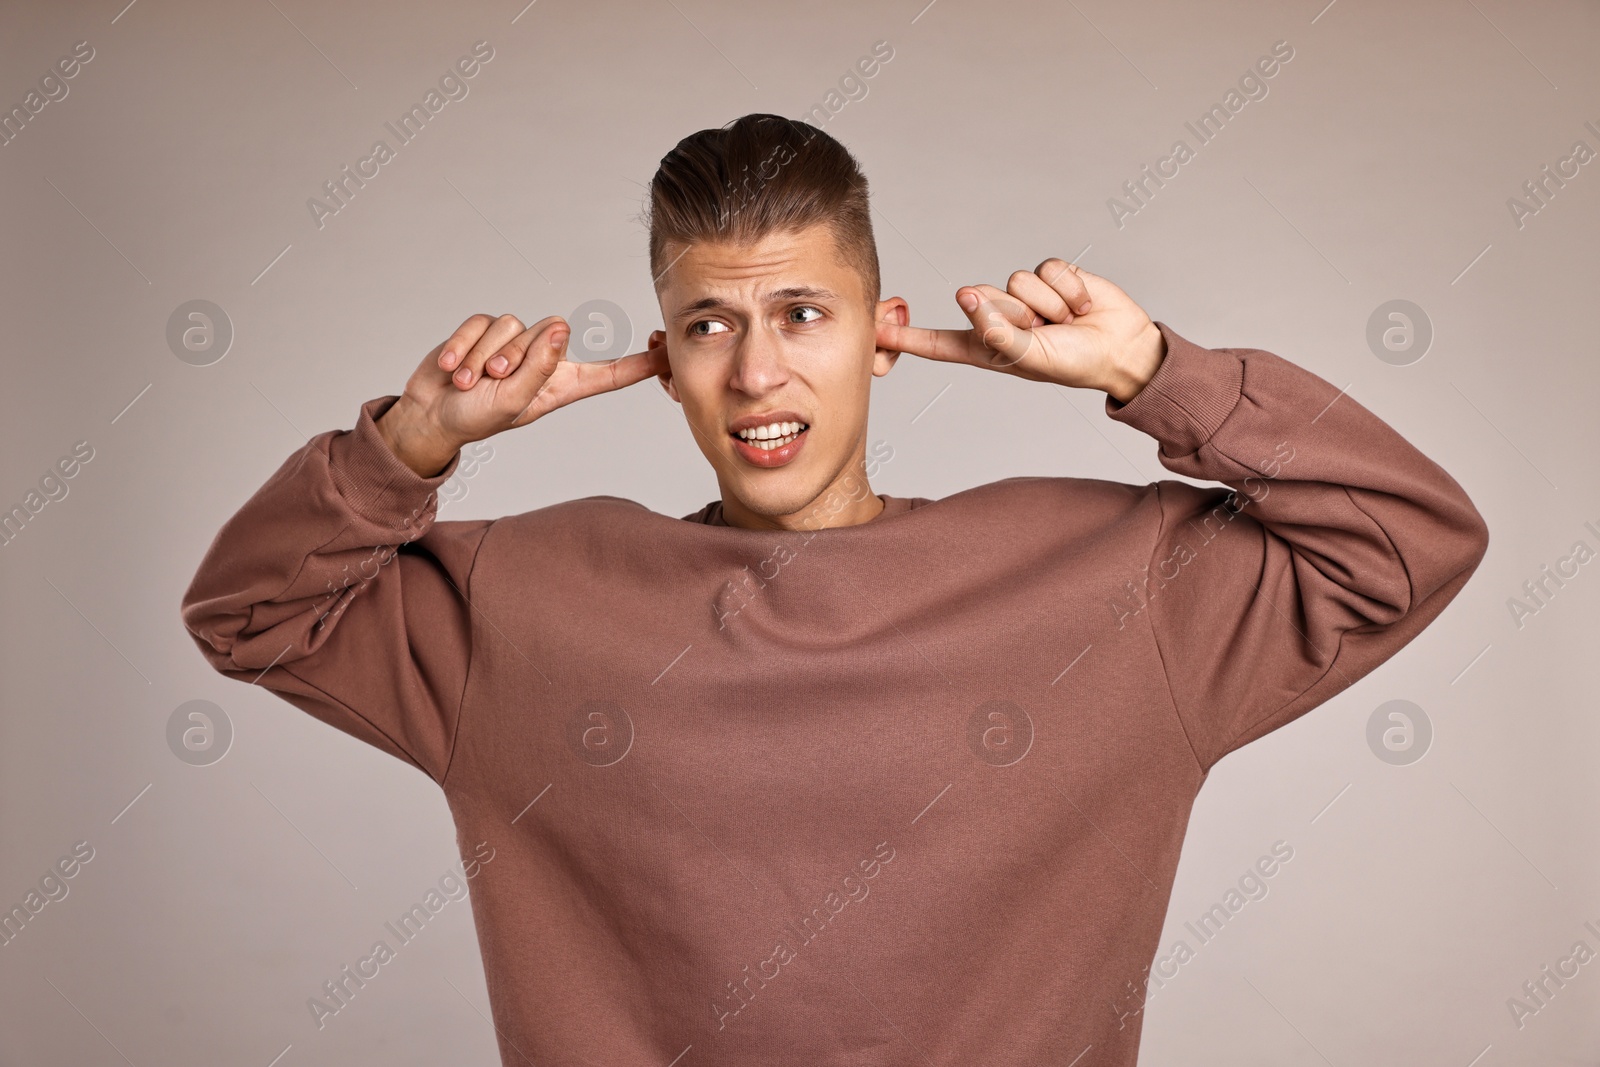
x=761 y=174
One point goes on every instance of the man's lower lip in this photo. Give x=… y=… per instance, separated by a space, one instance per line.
x=775 y=457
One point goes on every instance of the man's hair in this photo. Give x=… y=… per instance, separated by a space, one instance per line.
x=758 y=175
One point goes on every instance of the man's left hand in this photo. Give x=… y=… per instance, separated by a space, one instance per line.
x=1056 y=323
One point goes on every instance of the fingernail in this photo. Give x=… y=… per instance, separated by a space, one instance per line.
x=558 y=339
x=968 y=301
x=498 y=364
x=1083 y=307
x=447 y=359
x=464 y=375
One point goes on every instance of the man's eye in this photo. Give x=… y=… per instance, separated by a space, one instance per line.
x=808 y=307
x=694 y=327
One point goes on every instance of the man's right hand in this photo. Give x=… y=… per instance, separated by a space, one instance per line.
x=493 y=374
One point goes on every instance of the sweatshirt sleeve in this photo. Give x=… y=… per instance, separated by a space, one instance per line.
x=1336 y=542
x=334 y=587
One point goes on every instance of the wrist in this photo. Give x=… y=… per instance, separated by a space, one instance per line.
x=1133 y=367
x=413 y=440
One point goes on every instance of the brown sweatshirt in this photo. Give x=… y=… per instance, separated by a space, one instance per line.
x=907 y=792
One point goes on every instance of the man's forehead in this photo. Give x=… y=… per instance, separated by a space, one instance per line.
x=776 y=266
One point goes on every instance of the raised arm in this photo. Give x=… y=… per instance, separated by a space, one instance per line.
x=1336 y=543
x=335 y=587
x=1341 y=541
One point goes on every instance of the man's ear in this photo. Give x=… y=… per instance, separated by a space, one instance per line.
x=658 y=339
x=897 y=311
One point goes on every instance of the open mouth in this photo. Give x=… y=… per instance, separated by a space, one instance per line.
x=774 y=435
x=772 y=444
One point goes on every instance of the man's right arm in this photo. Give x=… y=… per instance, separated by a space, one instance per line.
x=334 y=587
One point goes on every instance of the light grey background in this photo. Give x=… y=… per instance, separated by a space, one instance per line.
x=1378 y=167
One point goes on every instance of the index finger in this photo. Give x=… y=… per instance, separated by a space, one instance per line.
x=536 y=391
x=602 y=376
x=951 y=346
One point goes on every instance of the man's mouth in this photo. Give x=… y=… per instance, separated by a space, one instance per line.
x=771 y=443
x=772 y=435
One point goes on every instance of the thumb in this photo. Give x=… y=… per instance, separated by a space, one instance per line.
x=543 y=348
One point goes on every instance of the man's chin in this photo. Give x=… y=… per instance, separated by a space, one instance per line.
x=782 y=501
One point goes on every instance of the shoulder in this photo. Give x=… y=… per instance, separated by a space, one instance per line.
x=553 y=528
x=579 y=514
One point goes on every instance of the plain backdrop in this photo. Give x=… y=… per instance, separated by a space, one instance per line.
x=1377 y=167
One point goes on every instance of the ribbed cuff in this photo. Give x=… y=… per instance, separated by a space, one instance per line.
x=374 y=481
x=1188 y=398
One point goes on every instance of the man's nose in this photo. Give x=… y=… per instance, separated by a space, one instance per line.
x=759 y=364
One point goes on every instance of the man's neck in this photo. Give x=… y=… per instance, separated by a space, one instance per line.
x=840 y=505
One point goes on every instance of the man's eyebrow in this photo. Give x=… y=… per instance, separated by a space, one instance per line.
x=791 y=292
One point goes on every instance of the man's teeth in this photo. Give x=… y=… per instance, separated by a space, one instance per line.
x=773 y=435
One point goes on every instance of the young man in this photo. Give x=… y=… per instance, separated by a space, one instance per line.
x=816 y=775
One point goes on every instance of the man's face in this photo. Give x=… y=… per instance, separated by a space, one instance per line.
x=776 y=339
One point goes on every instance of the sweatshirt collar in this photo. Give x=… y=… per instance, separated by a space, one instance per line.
x=711 y=514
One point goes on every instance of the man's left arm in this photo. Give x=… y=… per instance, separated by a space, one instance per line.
x=1334 y=544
